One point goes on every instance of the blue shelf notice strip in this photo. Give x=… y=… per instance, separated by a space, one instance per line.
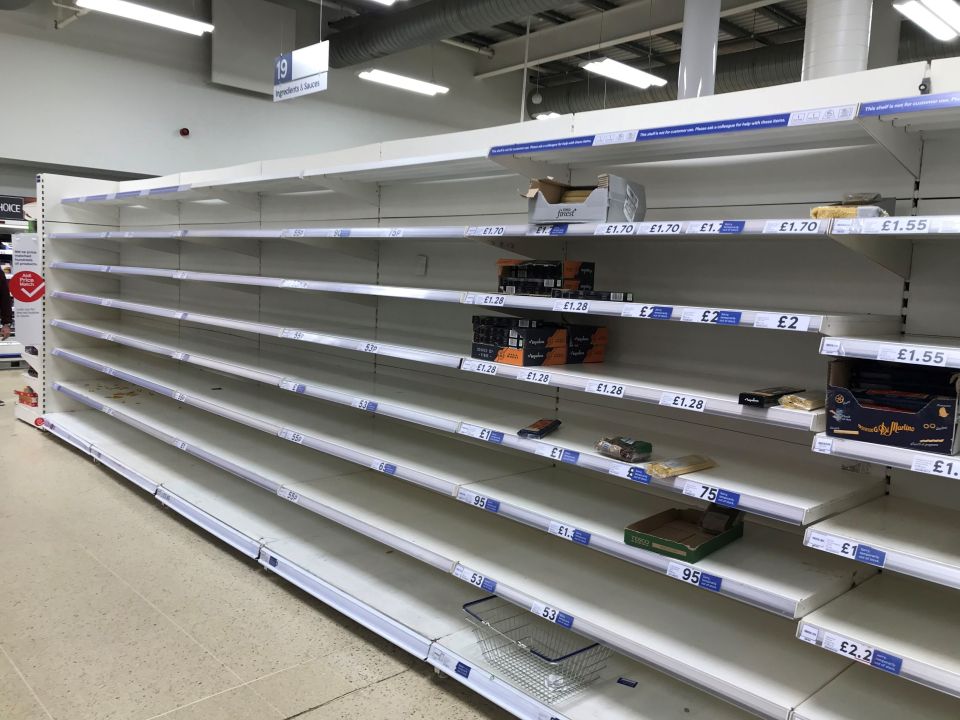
x=757 y=122
x=727 y=498
x=916 y=103
x=463 y=669
x=887 y=662
x=639 y=475
x=710 y=582
x=581 y=538
x=564 y=620
x=872 y=556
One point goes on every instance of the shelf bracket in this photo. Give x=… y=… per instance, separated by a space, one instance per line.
x=891 y=252
x=365 y=192
x=905 y=147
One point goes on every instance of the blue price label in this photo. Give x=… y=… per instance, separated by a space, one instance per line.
x=639 y=475
x=570 y=456
x=872 y=556
x=580 y=537
x=710 y=582
x=885 y=661
x=727 y=498
x=463 y=669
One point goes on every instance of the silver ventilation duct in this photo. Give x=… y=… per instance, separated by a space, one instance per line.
x=773 y=65
x=424 y=24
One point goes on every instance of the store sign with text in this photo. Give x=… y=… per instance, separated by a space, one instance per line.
x=301 y=72
x=11 y=207
x=27 y=287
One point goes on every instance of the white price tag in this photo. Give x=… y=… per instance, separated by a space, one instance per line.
x=179 y=397
x=292 y=334
x=683 y=573
x=106 y=410
x=477 y=500
x=832 y=544
x=654 y=312
x=895 y=225
x=686 y=402
x=368 y=347
x=948 y=467
x=615 y=138
x=384 y=467
x=294 y=284
x=292 y=385
x=180 y=275
x=831 y=346
x=711 y=316
x=107 y=302
x=486 y=231
x=661 y=228
x=550 y=451
x=293 y=233
x=109 y=337
x=475 y=578
x=791 y=227
x=569 y=532
x=552 y=614
x=809 y=634
x=700 y=491
x=181 y=356
x=480 y=433
x=913 y=355
x=291 y=435
x=477 y=366
x=616 y=229
x=534 y=376
x=180 y=444
x=577 y=306
x=395 y=232
x=782 y=321
x=490 y=300
x=288 y=494
x=823 y=444
x=601 y=387
x=851 y=648
x=363 y=404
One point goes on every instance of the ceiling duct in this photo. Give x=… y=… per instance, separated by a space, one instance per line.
x=763 y=67
x=14 y=4
x=424 y=24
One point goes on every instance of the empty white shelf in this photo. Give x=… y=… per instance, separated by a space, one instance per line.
x=390 y=593
x=912 y=349
x=767 y=568
x=858 y=692
x=897 y=624
x=776 y=479
x=707 y=394
x=772 y=319
x=947 y=466
x=675 y=628
x=897 y=534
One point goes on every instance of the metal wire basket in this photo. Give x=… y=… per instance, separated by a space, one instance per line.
x=543 y=658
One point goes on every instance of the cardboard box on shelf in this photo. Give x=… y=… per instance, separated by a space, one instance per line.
x=686 y=534
x=907 y=406
x=519 y=356
x=612 y=199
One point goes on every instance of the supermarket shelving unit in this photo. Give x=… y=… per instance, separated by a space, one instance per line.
x=280 y=353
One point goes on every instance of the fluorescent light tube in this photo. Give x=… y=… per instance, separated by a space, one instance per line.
x=946 y=10
x=623 y=73
x=926 y=19
x=546 y=115
x=132 y=11
x=384 y=2
x=403 y=82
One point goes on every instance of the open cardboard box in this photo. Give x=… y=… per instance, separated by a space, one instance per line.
x=679 y=534
x=612 y=199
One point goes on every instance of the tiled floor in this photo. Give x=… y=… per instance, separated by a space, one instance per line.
x=111 y=608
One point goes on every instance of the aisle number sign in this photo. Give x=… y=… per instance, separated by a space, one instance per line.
x=301 y=72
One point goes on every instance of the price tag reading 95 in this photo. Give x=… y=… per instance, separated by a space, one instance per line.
x=478 y=501
x=534 y=376
x=577 y=306
x=685 y=402
x=782 y=321
x=692 y=576
x=913 y=355
x=944 y=468
x=600 y=387
x=552 y=614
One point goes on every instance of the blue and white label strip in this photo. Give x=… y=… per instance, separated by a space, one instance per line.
x=850 y=648
x=845 y=547
x=888 y=351
x=475 y=578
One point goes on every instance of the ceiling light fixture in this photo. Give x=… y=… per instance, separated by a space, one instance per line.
x=403 y=82
x=623 y=73
x=940 y=18
x=384 y=2
x=133 y=11
x=546 y=115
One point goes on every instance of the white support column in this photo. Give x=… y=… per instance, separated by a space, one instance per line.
x=698 y=50
x=837 y=38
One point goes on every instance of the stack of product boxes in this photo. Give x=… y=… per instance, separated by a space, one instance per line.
x=517 y=341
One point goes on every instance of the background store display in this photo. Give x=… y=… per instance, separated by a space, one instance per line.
x=908 y=406
x=686 y=534
x=612 y=199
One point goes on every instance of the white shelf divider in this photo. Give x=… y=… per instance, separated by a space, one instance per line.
x=896 y=624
